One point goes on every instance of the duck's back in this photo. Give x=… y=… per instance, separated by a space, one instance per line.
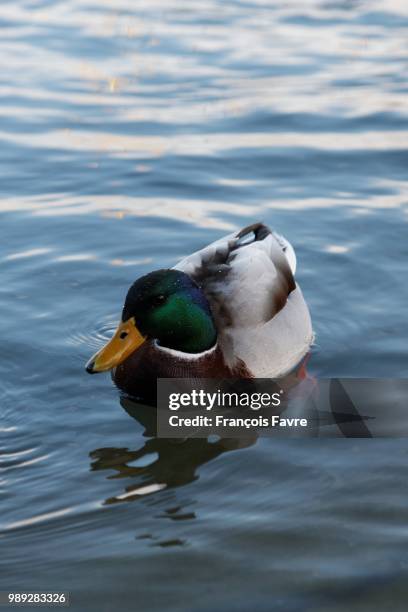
x=259 y=310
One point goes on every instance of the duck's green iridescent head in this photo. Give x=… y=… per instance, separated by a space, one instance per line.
x=166 y=306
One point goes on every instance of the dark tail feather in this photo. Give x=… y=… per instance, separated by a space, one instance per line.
x=259 y=231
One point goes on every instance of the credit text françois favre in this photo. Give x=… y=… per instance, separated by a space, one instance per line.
x=209 y=401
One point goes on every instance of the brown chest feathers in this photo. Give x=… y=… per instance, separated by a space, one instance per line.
x=137 y=375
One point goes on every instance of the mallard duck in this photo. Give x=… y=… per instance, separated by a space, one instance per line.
x=232 y=309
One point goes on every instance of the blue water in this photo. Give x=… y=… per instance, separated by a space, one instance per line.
x=133 y=133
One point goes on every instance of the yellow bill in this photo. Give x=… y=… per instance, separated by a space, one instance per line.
x=125 y=341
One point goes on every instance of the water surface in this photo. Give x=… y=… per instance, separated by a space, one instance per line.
x=133 y=134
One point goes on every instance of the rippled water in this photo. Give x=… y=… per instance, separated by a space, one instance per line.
x=131 y=134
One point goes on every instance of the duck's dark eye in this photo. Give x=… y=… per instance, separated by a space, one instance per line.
x=159 y=299
x=123 y=335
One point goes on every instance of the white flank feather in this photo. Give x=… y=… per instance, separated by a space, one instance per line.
x=259 y=320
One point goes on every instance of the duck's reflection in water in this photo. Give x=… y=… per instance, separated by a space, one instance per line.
x=160 y=462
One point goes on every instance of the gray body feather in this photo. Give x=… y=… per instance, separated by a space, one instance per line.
x=259 y=310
